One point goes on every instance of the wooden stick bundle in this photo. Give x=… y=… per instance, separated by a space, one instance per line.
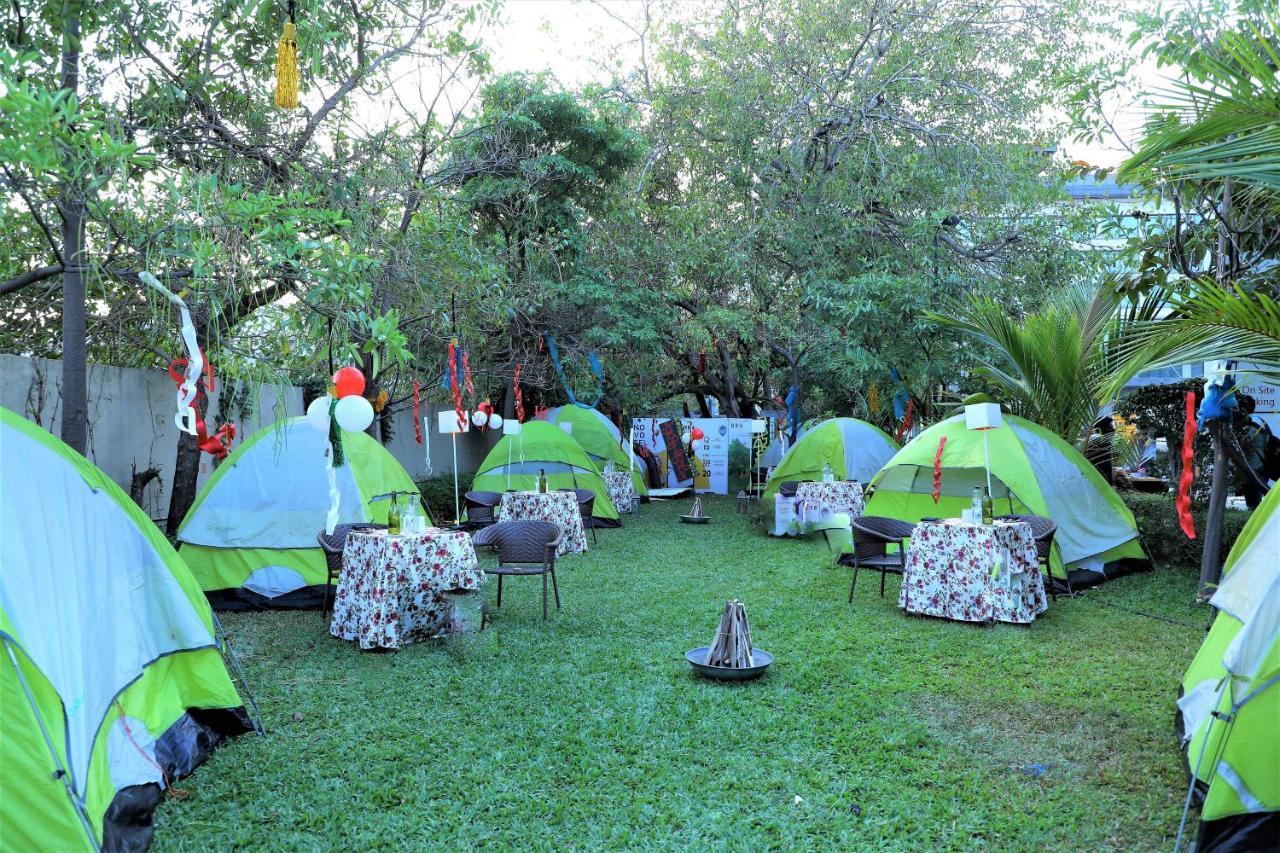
x=732 y=644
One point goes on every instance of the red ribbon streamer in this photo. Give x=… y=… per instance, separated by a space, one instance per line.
x=937 y=470
x=1188 y=469
x=458 y=410
x=215 y=445
x=515 y=384
x=906 y=420
x=466 y=374
x=417 y=421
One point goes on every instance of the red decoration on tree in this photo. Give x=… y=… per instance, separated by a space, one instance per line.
x=696 y=434
x=466 y=375
x=176 y=374
x=348 y=382
x=540 y=412
x=417 y=421
x=458 y=408
x=515 y=384
x=906 y=419
x=219 y=443
x=1183 y=502
x=937 y=470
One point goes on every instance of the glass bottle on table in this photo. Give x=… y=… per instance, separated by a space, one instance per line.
x=542 y=480
x=393 y=515
x=988 y=509
x=975 y=505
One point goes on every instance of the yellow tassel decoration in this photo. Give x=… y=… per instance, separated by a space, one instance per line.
x=873 y=398
x=287 y=75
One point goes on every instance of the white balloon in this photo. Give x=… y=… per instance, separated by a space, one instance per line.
x=686 y=436
x=478 y=417
x=318 y=413
x=354 y=413
x=495 y=421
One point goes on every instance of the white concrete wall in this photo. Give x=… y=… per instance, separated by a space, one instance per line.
x=131 y=424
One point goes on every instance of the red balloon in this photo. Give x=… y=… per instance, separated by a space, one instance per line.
x=348 y=382
x=696 y=434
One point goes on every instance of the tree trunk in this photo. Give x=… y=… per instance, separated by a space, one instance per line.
x=71 y=207
x=1211 y=556
x=186 y=465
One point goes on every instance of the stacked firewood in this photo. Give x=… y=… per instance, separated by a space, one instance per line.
x=732 y=644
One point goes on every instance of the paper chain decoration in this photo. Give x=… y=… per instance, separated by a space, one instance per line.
x=1183 y=502
x=937 y=470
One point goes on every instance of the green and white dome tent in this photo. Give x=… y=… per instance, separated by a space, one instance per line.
x=250 y=536
x=1032 y=471
x=602 y=440
x=854 y=449
x=544 y=447
x=1229 y=711
x=111 y=681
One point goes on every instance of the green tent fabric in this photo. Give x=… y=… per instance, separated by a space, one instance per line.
x=515 y=461
x=250 y=536
x=1032 y=471
x=1230 y=704
x=601 y=439
x=111 y=681
x=854 y=449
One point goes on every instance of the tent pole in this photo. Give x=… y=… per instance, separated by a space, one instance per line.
x=61 y=772
x=457 y=509
x=508 y=466
x=229 y=654
x=986 y=455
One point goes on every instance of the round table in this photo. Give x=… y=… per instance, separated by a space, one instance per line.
x=818 y=501
x=622 y=491
x=392 y=588
x=973 y=572
x=559 y=508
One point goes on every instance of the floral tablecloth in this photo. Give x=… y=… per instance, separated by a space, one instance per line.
x=973 y=572
x=622 y=491
x=816 y=502
x=391 y=590
x=559 y=508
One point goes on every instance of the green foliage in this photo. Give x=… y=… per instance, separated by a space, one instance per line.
x=1166 y=544
x=929 y=727
x=437 y=494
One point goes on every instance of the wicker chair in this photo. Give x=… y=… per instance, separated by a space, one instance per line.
x=332 y=544
x=586 y=506
x=1043 y=529
x=481 y=508
x=524 y=548
x=872 y=535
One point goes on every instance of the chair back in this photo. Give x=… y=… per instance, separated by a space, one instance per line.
x=1043 y=529
x=586 y=502
x=333 y=543
x=480 y=506
x=788 y=488
x=872 y=534
x=527 y=543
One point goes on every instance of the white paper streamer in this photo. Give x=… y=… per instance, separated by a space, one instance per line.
x=426 y=445
x=186 y=416
x=335 y=497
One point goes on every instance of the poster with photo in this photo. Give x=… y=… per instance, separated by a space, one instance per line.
x=720 y=457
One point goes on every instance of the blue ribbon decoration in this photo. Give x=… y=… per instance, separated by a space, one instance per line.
x=1220 y=401
x=793 y=411
x=592 y=359
x=444 y=379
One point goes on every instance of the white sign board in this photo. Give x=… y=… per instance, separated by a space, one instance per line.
x=710 y=457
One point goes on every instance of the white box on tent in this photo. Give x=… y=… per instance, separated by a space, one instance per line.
x=450 y=423
x=983 y=416
x=511 y=426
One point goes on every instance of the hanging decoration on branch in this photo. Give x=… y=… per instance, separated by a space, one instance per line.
x=592 y=360
x=417 y=421
x=288 y=76
x=519 y=395
x=873 y=399
x=906 y=420
x=937 y=470
x=458 y=408
x=1183 y=502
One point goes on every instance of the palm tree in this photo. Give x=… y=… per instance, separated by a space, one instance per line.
x=1052 y=365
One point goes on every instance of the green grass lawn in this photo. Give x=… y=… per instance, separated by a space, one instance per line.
x=873 y=729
